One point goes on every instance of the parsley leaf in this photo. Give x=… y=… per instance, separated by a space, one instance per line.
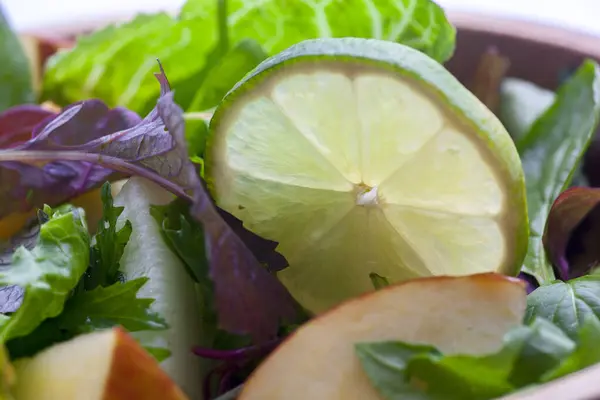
x=110 y=244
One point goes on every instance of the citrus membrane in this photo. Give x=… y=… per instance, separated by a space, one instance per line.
x=362 y=156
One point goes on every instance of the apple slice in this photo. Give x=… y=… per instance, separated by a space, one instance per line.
x=469 y=315
x=106 y=365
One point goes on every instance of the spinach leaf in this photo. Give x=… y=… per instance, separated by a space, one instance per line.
x=15 y=72
x=386 y=363
x=586 y=354
x=529 y=354
x=550 y=153
x=110 y=244
x=566 y=304
x=48 y=272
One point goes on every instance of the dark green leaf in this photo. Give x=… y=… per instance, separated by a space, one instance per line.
x=110 y=244
x=105 y=307
x=15 y=73
x=378 y=281
x=399 y=370
x=184 y=236
x=586 y=354
x=551 y=152
x=566 y=304
x=49 y=271
x=544 y=347
x=385 y=364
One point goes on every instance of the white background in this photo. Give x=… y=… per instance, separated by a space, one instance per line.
x=42 y=15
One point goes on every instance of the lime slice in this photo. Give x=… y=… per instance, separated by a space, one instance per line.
x=363 y=156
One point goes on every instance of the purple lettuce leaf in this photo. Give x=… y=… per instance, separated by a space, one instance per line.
x=17 y=123
x=530 y=282
x=572 y=232
x=79 y=150
x=248 y=299
x=29 y=182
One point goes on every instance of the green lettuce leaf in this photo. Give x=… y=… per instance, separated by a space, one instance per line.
x=116 y=63
x=550 y=153
x=49 y=271
x=94 y=310
x=109 y=244
x=15 y=73
x=205 y=59
x=277 y=24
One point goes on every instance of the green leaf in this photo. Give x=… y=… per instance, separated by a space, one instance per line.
x=586 y=354
x=110 y=244
x=400 y=370
x=15 y=73
x=521 y=104
x=48 y=272
x=566 y=304
x=105 y=307
x=551 y=151
x=159 y=353
x=184 y=236
x=89 y=311
x=378 y=281
x=229 y=69
x=116 y=63
x=278 y=24
x=385 y=364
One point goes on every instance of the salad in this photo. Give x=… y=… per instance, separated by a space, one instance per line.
x=267 y=200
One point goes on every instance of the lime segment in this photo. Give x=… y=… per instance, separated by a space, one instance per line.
x=362 y=156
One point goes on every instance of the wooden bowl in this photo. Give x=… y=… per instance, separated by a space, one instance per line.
x=538 y=53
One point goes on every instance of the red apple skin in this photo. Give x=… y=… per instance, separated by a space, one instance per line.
x=103 y=365
x=134 y=374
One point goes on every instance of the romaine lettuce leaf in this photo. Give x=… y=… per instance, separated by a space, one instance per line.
x=278 y=24
x=113 y=64
x=48 y=272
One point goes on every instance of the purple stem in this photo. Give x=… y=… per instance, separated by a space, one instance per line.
x=237 y=354
x=114 y=163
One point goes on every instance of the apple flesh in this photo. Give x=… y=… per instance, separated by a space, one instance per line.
x=468 y=315
x=102 y=365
